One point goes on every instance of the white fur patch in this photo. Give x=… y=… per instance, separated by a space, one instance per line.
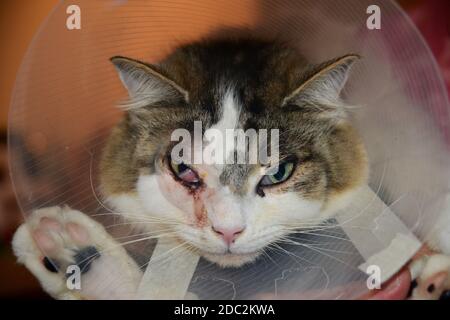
x=438 y=236
x=231 y=110
x=435 y=264
x=169 y=204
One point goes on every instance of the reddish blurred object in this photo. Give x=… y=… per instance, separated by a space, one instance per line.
x=15 y=279
x=432 y=17
x=10 y=216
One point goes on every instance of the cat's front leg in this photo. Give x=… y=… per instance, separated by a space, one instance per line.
x=433 y=277
x=431 y=267
x=57 y=243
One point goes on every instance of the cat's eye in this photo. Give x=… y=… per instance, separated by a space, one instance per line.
x=283 y=173
x=184 y=173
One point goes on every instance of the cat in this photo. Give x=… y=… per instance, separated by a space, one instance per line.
x=226 y=212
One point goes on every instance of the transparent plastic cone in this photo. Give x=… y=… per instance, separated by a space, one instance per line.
x=64 y=107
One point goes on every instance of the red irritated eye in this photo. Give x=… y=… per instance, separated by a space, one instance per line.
x=185 y=173
x=189 y=175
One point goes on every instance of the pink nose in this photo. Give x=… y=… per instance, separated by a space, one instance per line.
x=228 y=234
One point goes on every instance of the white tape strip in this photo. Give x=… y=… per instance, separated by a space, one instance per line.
x=394 y=257
x=378 y=234
x=168 y=273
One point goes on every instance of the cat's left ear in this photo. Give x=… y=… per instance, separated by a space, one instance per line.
x=322 y=86
x=146 y=84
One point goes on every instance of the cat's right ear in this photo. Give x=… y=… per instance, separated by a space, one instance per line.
x=146 y=85
x=322 y=86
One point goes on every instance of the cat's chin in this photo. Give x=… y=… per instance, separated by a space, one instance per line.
x=231 y=260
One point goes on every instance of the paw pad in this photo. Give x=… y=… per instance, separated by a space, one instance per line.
x=84 y=258
x=50 y=265
x=445 y=295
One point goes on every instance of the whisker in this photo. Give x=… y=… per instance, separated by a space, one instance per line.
x=292 y=255
x=166 y=256
x=156 y=232
x=118 y=245
x=144 y=218
x=92 y=184
x=137 y=222
x=323 y=235
x=311 y=246
x=266 y=254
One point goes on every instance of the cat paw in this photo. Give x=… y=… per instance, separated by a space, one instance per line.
x=433 y=281
x=73 y=256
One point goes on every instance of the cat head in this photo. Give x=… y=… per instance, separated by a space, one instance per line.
x=230 y=211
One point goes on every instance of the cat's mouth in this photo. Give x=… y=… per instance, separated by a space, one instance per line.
x=230 y=259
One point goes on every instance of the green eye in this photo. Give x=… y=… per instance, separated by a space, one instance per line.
x=284 y=172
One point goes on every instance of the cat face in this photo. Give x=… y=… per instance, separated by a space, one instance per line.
x=231 y=211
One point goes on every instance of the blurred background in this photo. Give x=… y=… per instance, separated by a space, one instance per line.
x=19 y=20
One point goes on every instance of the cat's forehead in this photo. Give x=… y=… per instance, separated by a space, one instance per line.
x=260 y=73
